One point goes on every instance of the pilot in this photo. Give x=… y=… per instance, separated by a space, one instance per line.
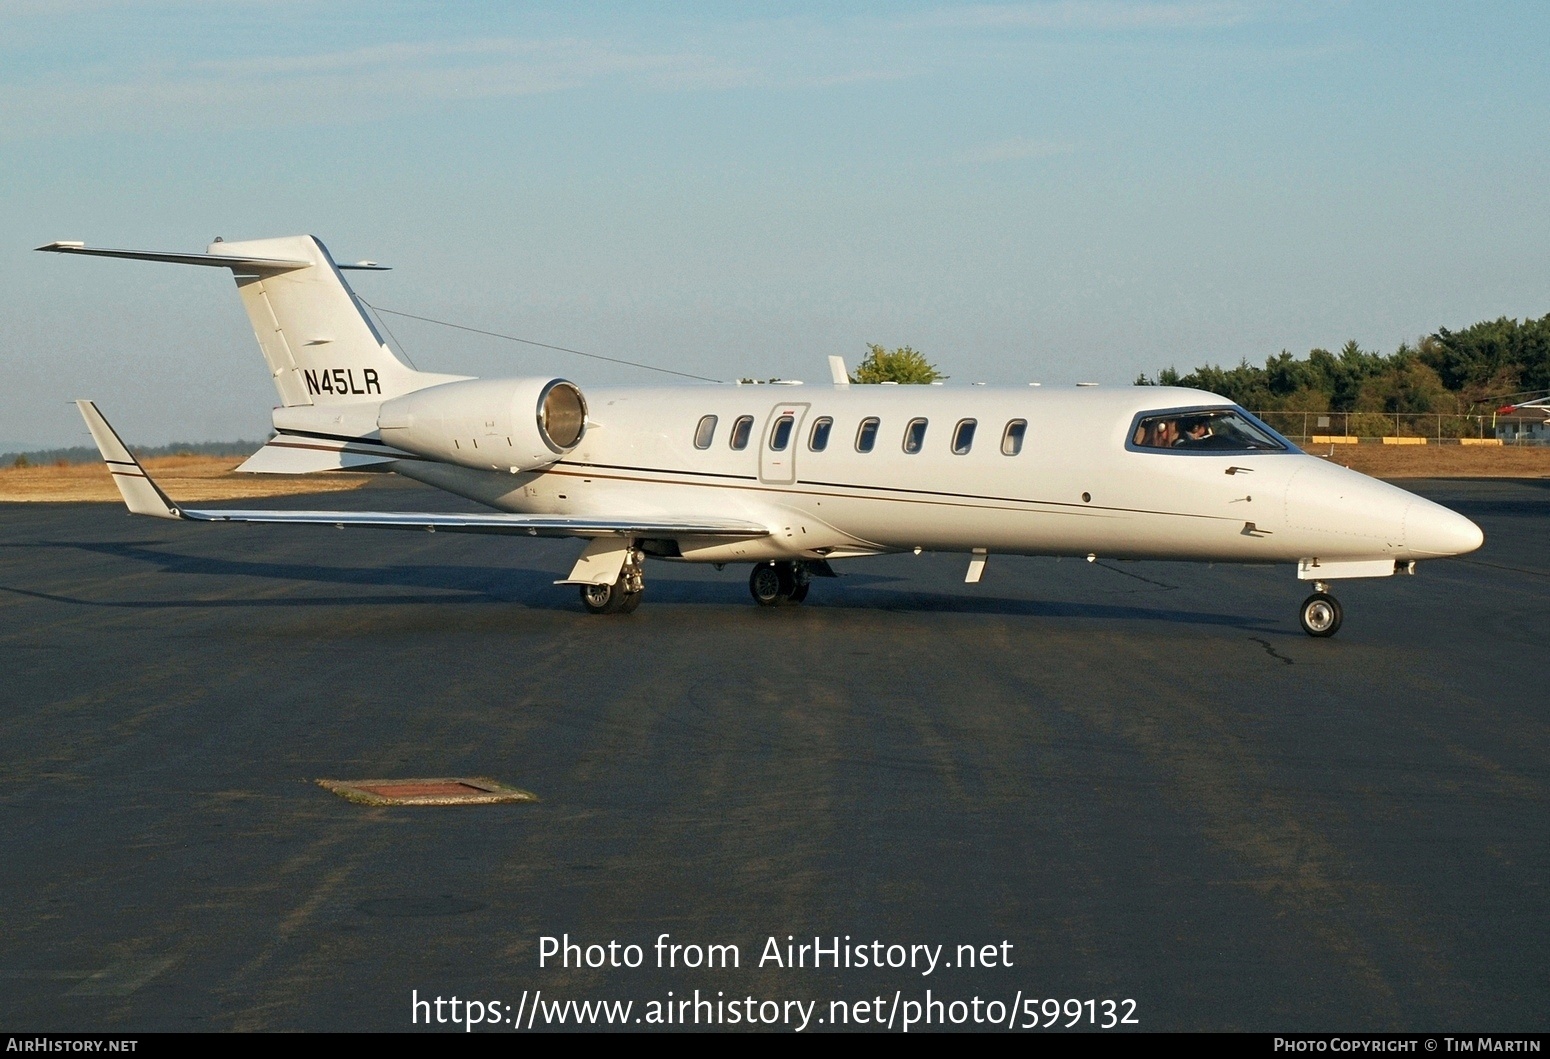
x=1165 y=434
x=1193 y=432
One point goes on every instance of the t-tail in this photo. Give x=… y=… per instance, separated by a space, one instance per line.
x=316 y=336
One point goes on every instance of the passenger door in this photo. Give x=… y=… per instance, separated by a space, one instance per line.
x=778 y=443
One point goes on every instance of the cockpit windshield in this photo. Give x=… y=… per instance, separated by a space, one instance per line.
x=1205 y=430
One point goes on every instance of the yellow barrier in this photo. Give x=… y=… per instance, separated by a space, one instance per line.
x=1480 y=441
x=1404 y=441
x=1334 y=439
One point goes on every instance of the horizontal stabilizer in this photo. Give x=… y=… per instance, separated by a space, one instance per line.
x=257 y=264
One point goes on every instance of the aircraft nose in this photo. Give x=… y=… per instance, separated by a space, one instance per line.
x=1432 y=529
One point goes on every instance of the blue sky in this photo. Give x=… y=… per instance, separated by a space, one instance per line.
x=1063 y=191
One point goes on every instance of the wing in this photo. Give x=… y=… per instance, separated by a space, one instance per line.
x=496 y=522
x=144 y=497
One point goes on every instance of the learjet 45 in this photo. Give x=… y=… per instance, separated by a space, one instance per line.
x=787 y=478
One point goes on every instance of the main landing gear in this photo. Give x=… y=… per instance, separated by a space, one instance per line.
x=772 y=584
x=1320 y=614
x=775 y=583
x=623 y=595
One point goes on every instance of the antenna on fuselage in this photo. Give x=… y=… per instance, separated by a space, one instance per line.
x=838 y=372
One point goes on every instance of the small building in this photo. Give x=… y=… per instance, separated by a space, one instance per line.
x=1520 y=430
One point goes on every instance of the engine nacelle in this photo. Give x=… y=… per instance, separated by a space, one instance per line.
x=491 y=424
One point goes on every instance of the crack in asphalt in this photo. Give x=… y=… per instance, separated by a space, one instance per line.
x=1271 y=651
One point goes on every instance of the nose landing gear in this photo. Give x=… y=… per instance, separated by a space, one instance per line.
x=775 y=583
x=1320 y=614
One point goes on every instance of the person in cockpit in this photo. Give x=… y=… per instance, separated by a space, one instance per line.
x=1192 y=432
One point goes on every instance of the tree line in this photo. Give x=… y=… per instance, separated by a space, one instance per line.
x=87 y=454
x=1451 y=372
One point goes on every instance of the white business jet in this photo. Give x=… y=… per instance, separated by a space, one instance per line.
x=788 y=479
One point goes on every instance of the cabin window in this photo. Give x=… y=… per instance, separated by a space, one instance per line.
x=866 y=436
x=742 y=430
x=963 y=437
x=1204 y=430
x=915 y=436
x=780 y=435
x=1012 y=437
x=818 y=440
x=705 y=433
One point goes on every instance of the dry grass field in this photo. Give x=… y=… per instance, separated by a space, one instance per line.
x=186 y=479
x=1440 y=461
x=190 y=479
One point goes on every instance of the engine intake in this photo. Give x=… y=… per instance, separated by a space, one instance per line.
x=491 y=424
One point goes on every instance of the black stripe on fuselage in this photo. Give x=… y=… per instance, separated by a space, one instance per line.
x=333 y=437
x=933 y=496
x=278 y=443
x=659 y=470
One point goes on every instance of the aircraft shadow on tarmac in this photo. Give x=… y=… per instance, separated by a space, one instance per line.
x=535 y=590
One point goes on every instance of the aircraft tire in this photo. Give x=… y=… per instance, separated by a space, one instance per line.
x=605 y=599
x=799 y=593
x=1320 y=615
x=769 y=584
x=630 y=601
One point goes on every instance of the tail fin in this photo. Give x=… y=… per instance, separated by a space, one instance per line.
x=320 y=345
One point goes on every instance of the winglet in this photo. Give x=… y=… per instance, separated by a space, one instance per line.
x=142 y=495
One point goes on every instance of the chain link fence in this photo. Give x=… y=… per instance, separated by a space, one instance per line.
x=1417 y=427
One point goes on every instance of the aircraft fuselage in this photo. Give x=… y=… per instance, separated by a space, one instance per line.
x=1074 y=485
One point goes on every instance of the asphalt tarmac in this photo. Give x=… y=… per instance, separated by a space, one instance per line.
x=1143 y=778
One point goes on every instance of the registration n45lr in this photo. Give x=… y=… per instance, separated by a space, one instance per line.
x=787 y=479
